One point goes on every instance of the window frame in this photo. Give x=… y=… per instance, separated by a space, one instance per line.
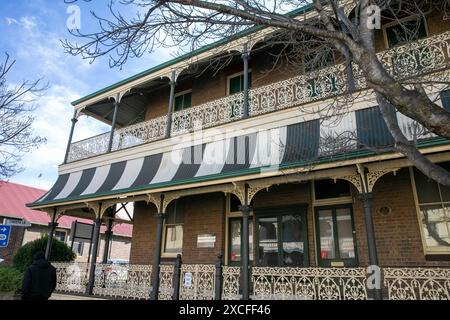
x=426 y=249
x=231 y=215
x=251 y=254
x=181 y=93
x=279 y=212
x=393 y=23
x=164 y=253
x=65 y=234
x=335 y=262
x=234 y=75
x=330 y=201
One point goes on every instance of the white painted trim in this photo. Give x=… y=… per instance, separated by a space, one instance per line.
x=425 y=248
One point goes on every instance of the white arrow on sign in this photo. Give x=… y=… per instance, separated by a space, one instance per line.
x=3 y=229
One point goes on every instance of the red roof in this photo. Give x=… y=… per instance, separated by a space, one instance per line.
x=13 y=200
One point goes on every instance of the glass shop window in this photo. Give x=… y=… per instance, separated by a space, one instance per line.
x=234 y=250
x=60 y=235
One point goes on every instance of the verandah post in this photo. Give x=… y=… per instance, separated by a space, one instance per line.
x=245 y=208
x=176 y=277
x=52 y=226
x=157 y=255
x=69 y=141
x=113 y=124
x=245 y=86
x=219 y=279
x=171 y=98
x=97 y=225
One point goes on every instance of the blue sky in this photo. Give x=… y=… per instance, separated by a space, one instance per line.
x=30 y=31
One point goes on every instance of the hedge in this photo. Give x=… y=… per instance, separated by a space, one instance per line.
x=24 y=256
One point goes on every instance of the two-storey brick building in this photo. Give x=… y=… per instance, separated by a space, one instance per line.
x=238 y=163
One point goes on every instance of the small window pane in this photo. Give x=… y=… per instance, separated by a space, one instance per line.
x=235 y=85
x=435 y=225
x=174 y=239
x=293 y=245
x=427 y=189
x=326 y=234
x=187 y=100
x=326 y=189
x=406 y=31
x=178 y=103
x=60 y=235
x=174 y=213
x=345 y=233
x=445 y=98
x=235 y=249
x=268 y=241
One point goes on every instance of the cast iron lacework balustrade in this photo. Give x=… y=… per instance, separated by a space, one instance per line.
x=402 y=62
x=231 y=283
x=283 y=283
x=126 y=137
x=417 y=283
x=209 y=114
x=71 y=277
x=197 y=282
x=165 y=282
x=123 y=281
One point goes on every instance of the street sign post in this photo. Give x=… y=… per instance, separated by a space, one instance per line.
x=5 y=231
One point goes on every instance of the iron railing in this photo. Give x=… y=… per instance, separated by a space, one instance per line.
x=200 y=281
x=402 y=62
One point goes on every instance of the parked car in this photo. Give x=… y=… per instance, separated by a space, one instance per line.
x=1 y=260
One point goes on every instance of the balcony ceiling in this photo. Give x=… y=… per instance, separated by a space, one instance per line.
x=132 y=107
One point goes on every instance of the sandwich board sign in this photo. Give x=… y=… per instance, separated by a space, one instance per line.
x=5 y=231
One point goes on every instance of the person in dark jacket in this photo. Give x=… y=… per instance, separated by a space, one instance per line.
x=39 y=280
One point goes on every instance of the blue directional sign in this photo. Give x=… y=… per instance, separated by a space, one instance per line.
x=4 y=235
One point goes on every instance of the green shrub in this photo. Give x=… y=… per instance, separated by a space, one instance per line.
x=24 y=256
x=10 y=279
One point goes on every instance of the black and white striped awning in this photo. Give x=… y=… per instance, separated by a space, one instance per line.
x=298 y=143
x=238 y=154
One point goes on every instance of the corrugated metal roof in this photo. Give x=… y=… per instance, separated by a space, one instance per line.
x=13 y=200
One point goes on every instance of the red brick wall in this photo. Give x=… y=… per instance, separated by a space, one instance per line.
x=397 y=233
x=202 y=214
x=144 y=227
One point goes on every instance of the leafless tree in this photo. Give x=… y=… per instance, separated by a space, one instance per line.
x=190 y=24
x=16 y=119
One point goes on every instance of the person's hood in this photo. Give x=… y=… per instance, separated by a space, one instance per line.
x=41 y=263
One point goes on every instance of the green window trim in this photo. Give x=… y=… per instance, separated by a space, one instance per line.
x=182 y=101
x=236 y=83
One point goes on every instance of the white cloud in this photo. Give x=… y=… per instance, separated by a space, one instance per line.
x=28 y=22
x=10 y=21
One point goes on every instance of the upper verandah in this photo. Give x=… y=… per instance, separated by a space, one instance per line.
x=146 y=96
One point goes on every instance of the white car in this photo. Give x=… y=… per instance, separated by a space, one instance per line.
x=114 y=273
x=1 y=260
